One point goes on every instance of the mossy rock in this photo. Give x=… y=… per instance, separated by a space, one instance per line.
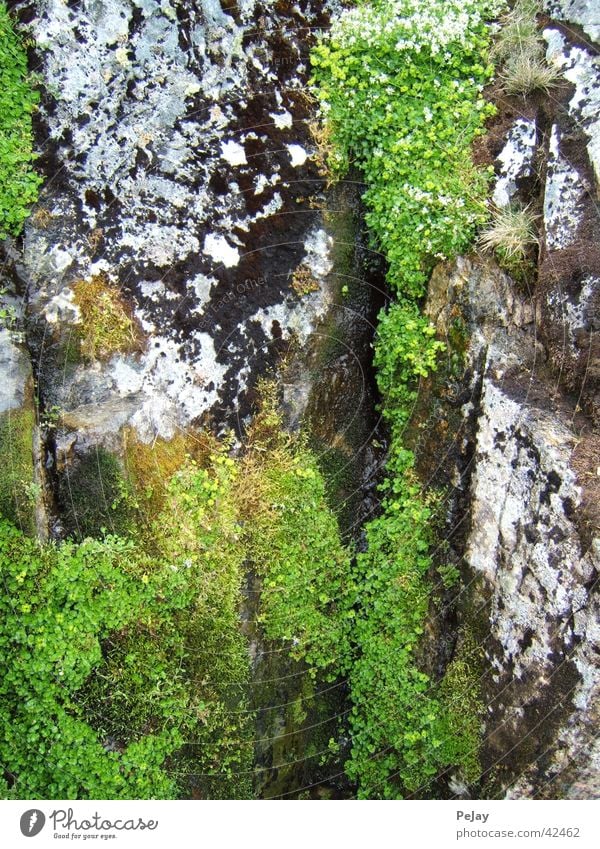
x=95 y=497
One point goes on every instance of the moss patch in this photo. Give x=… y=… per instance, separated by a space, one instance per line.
x=107 y=325
x=95 y=496
x=463 y=708
x=150 y=466
x=16 y=461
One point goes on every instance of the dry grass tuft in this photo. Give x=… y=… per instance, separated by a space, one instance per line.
x=512 y=232
x=107 y=324
x=525 y=74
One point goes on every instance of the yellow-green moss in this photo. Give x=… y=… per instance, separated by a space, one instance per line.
x=16 y=463
x=149 y=466
x=107 y=326
x=460 y=695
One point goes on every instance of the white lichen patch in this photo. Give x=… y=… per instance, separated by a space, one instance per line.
x=282 y=120
x=514 y=160
x=298 y=155
x=318 y=246
x=155 y=140
x=582 y=68
x=233 y=153
x=218 y=248
x=572 y=314
x=564 y=193
x=169 y=389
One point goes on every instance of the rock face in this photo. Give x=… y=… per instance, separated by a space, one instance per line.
x=523 y=456
x=586 y=13
x=176 y=142
x=531 y=547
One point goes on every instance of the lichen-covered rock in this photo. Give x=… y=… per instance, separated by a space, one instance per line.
x=179 y=166
x=581 y=67
x=521 y=475
x=586 y=13
x=515 y=160
x=564 y=194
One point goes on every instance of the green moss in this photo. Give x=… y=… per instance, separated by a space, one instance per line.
x=293 y=543
x=16 y=461
x=95 y=496
x=149 y=467
x=463 y=709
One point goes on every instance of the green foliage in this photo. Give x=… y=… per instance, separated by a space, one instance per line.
x=125 y=675
x=406 y=350
x=58 y=604
x=400 y=86
x=18 y=182
x=293 y=542
x=192 y=668
x=395 y=717
x=16 y=457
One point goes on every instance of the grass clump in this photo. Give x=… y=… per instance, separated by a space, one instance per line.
x=512 y=233
x=19 y=183
x=519 y=32
x=107 y=326
x=521 y=49
x=524 y=74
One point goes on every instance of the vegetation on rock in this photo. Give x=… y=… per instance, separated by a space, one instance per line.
x=400 y=84
x=107 y=326
x=18 y=182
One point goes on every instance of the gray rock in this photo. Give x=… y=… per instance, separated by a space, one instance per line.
x=15 y=368
x=564 y=194
x=532 y=560
x=515 y=160
x=581 y=68
x=583 y=12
